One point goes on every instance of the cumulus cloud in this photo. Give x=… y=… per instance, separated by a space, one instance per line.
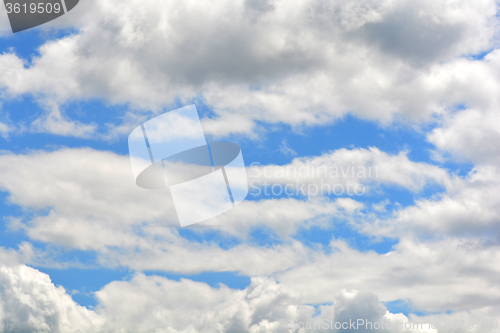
x=29 y=302
x=370 y=167
x=469 y=208
x=86 y=199
x=254 y=62
x=86 y=190
x=25 y=253
x=300 y=63
x=438 y=276
x=94 y=205
x=471 y=135
x=264 y=306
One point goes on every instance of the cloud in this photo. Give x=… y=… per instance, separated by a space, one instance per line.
x=470 y=208
x=24 y=253
x=5 y=130
x=29 y=302
x=470 y=135
x=255 y=63
x=368 y=167
x=56 y=123
x=262 y=307
x=79 y=191
x=438 y=276
x=85 y=190
x=298 y=63
x=156 y=304
x=284 y=149
x=87 y=200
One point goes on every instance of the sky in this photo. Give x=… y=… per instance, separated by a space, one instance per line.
x=397 y=100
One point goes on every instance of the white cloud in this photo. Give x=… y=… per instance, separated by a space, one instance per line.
x=86 y=190
x=29 y=302
x=86 y=199
x=93 y=204
x=253 y=62
x=24 y=253
x=452 y=274
x=469 y=208
x=299 y=63
x=5 y=130
x=55 y=122
x=369 y=167
x=470 y=134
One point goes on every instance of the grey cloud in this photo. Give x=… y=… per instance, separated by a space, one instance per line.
x=409 y=35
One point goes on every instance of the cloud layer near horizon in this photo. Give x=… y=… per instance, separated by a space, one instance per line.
x=30 y=302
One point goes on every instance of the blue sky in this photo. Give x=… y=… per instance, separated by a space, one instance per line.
x=71 y=94
x=348 y=132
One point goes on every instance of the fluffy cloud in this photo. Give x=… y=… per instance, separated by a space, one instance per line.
x=5 y=130
x=87 y=200
x=87 y=191
x=94 y=205
x=472 y=135
x=29 y=302
x=299 y=63
x=370 y=167
x=55 y=122
x=469 y=208
x=263 y=306
x=452 y=274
